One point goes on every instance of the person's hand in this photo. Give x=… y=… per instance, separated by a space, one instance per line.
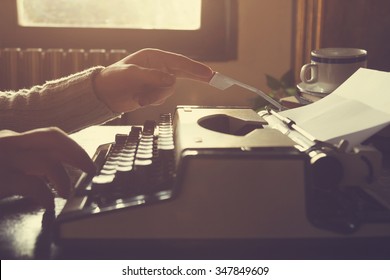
x=146 y=77
x=31 y=159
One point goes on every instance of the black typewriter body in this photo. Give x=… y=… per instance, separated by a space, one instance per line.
x=212 y=174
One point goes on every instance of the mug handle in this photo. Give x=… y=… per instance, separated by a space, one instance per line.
x=314 y=73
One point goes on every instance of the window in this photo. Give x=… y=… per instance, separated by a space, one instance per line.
x=146 y=14
x=202 y=29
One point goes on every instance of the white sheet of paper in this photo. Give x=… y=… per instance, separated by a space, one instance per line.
x=356 y=110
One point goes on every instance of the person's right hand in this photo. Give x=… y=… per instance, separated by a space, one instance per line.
x=31 y=159
x=146 y=77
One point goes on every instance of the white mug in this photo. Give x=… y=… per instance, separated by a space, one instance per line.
x=330 y=67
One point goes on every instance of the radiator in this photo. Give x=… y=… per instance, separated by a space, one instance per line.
x=23 y=68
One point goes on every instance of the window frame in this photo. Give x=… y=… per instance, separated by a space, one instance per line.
x=216 y=40
x=307 y=31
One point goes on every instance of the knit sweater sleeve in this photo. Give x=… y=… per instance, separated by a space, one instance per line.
x=68 y=103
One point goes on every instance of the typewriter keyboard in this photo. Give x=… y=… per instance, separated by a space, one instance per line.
x=136 y=169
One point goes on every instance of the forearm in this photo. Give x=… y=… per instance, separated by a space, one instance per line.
x=68 y=103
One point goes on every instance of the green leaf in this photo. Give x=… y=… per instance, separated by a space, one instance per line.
x=273 y=83
x=288 y=79
x=291 y=91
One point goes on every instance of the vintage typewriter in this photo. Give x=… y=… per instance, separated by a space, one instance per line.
x=226 y=173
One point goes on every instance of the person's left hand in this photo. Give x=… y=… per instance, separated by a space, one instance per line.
x=30 y=159
x=146 y=77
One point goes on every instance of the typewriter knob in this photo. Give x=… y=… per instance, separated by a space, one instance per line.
x=326 y=171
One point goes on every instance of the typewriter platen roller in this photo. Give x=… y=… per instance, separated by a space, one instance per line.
x=226 y=173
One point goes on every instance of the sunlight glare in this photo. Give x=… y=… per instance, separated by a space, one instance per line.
x=134 y=14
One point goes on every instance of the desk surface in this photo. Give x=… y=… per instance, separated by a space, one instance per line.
x=26 y=233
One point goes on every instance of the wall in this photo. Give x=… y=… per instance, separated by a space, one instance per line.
x=365 y=26
x=264 y=47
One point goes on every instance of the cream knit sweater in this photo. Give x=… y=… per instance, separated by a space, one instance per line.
x=68 y=103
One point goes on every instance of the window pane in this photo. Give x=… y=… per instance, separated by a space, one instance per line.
x=134 y=14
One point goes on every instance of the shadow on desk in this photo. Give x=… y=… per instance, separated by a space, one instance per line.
x=25 y=230
x=26 y=233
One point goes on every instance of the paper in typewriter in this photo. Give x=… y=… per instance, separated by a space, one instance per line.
x=356 y=110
